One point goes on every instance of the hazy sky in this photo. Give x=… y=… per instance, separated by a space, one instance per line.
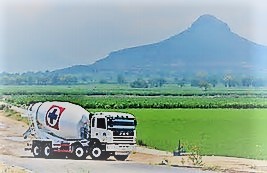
x=39 y=35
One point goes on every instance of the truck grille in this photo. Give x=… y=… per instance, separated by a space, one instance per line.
x=125 y=133
x=123 y=139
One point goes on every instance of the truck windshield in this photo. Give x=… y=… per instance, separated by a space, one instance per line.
x=119 y=123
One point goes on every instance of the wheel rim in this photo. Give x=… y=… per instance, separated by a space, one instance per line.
x=96 y=152
x=79 y=152
x=47 y=151
x=36 y=151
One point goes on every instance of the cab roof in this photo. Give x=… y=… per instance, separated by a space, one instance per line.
x=114 y=114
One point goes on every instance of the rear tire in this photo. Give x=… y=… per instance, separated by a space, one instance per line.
x=121 y=157
x=37 y=151
x=78 y=152
x=96 y=153
x=47 y=151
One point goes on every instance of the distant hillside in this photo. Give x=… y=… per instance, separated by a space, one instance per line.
x=208 y=45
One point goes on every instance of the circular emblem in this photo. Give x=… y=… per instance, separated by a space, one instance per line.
x=53 y=116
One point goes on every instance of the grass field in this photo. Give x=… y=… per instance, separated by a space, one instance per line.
x=225 y=132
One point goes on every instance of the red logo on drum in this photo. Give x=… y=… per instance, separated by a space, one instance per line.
x=53 y=115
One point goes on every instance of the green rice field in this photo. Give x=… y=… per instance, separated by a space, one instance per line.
x=224 y=132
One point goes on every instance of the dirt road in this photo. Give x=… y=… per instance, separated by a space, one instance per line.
x=142 y=160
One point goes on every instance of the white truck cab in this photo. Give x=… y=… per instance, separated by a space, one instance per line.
x=116 y=131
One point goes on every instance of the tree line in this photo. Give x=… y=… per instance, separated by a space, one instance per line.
x=200 y=80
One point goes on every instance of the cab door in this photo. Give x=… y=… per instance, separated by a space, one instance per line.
x=99 y=129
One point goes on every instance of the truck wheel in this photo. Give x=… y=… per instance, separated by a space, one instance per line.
x=37 y=152
x=79 y=152
x=97 y=154
x=47 y=151
x=121 y=157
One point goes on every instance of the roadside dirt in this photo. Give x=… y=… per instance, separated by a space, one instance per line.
x=11 y=169
x=12 y=144
x=213 y=163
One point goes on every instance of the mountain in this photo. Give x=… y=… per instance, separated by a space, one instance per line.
x=207 y=45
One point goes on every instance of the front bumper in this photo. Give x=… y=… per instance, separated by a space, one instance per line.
x=120 y=147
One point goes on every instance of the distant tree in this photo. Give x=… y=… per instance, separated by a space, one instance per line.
x=229 y=81
x=157 y=82
x=195 y=83
x=180 y=82
x=121 y=79
x=55 y=79
x=43 y=80
x=200 y=80
x=204 y=85
x=247 y=81
x=19 y=80
x=30 y=80
x=213 y=81
x=103 y=81
x=7 y=79
x=68 y=80
x=139 y=83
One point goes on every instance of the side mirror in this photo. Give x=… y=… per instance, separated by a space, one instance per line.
x=135 y=123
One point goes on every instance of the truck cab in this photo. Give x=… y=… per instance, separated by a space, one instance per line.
x=112 y=133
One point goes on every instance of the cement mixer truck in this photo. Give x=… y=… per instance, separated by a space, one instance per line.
x=63 y=127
